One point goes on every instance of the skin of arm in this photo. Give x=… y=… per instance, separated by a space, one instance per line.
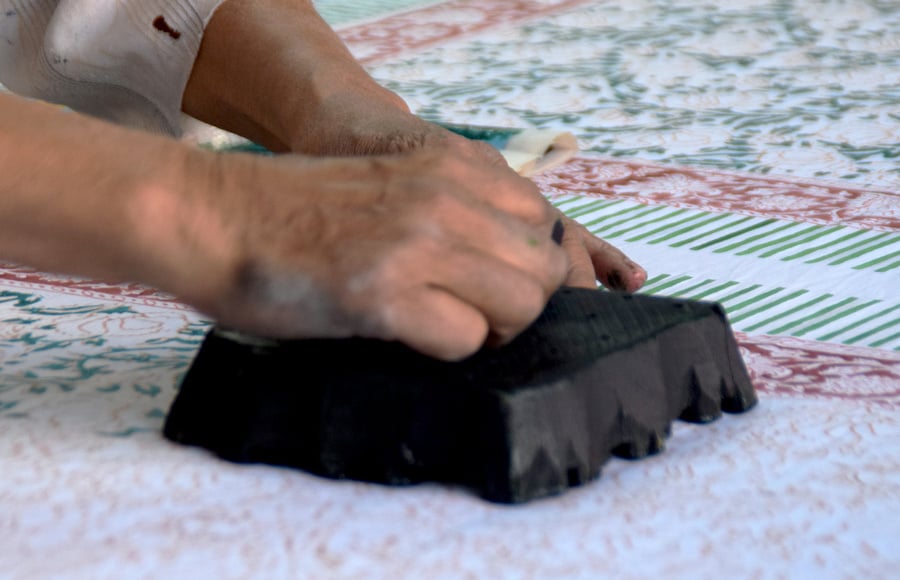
x=397 y=229
x=275 y=72
x=396 y=247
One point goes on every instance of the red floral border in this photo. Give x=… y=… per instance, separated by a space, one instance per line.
x=401 y=33
x=30 y=280
x=803 y=200
x=800 y=200
x=786 y=366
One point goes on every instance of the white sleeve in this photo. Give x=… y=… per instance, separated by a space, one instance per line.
x=127 y=61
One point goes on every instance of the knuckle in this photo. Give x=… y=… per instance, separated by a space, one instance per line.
x=530 y=300
x=393 y=269
x=531 y=205
x=524 y=306
x=443 y=196
x=386 y=317
x=438 y=206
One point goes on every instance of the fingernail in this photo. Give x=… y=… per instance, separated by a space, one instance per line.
x=559 y=231
x=638 y=274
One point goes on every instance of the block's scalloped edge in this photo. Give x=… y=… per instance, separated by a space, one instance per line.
x=510 y=445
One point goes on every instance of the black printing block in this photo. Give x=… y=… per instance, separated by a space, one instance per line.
x=598 y=373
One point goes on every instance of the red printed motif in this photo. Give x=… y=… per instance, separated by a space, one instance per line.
x=809 y=201
x=786 y=366
x=30 y=280
x=400 y=34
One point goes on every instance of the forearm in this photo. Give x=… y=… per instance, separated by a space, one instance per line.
x=267 y=69
x=84 y=197
x=290 y=246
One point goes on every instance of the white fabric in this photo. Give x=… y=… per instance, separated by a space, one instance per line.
x=127 y=61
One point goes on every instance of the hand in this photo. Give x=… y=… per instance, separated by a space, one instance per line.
x=338 y=109
x=357 y=129
x=396 y=247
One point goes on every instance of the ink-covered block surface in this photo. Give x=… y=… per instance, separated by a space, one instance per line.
x=597 y=374
x=745 y=153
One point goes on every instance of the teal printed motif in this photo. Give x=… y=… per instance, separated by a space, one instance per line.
x=810 y=89
x=51 y=347
x=341 y=12
x=498 y=137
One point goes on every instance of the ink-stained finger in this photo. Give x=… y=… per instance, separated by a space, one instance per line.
x=612 y=267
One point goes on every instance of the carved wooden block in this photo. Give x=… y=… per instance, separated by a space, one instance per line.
x=598 y=373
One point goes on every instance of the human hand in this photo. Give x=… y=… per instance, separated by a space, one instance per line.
x=355 y=129
x=338 y=109
x=397 y=247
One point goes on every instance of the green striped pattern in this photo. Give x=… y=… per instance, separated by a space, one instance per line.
x=756 y=308
x=728 y=233
x=342 y=12
x=728 y=244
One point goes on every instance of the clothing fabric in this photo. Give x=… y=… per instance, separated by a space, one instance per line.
x=127 y=61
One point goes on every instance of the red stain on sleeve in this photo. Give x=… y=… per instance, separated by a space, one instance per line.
x=160 y=24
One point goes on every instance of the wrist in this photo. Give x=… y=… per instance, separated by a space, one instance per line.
x=184 y=244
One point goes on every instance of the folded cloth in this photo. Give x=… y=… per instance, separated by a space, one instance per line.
x=527 y=151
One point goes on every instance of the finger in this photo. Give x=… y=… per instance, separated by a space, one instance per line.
x=435 y=323
x=581 y=270
x=611 y=266
x=481 y=229
x=508 y=298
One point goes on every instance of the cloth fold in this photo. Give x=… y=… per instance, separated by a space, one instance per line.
x=126 y=61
